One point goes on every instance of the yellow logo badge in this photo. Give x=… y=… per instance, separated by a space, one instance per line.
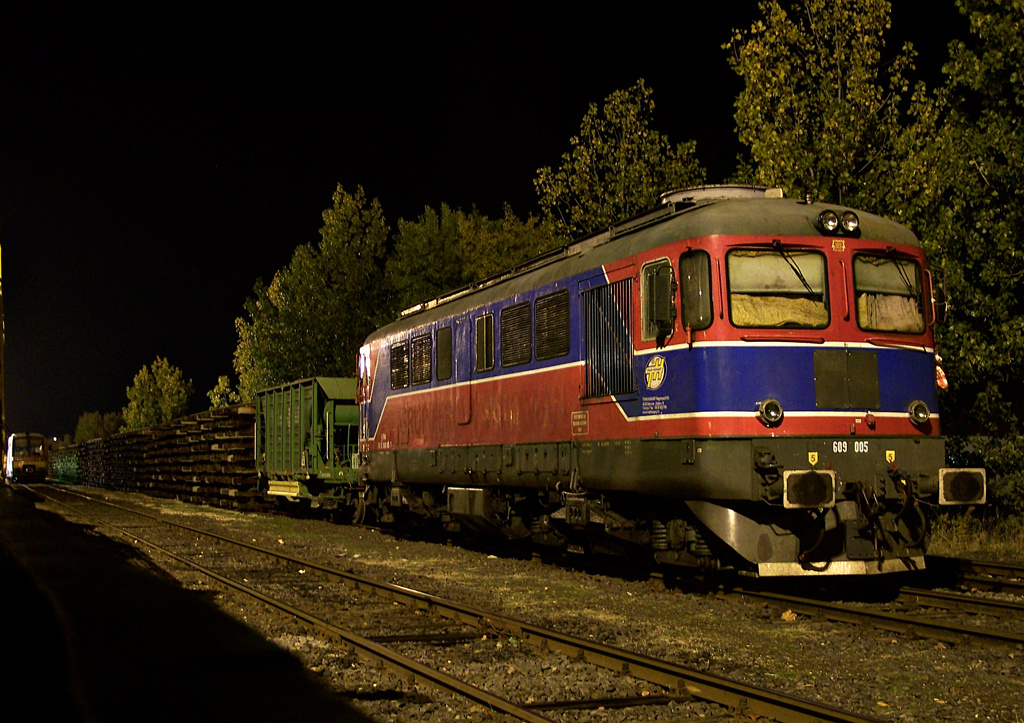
x=812 y=458
x=654 y=374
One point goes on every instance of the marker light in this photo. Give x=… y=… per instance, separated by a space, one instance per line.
x=769 y=411
x=919 y=412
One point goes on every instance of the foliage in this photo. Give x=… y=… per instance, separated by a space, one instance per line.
x=315 y=313
x=427 y=258
x=446 y=250
x=222 y=395
x=973 y=210
x=820 y=109
x=158 y=394
x=93 y=425
x=617 y=166
x=507 y=242
x=957 y=532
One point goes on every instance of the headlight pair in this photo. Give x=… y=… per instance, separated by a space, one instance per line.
x=832 y=222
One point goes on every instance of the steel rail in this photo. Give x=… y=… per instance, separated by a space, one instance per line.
x=401 y=666
x=981 y=567
x=979 y=574
x=886 y=621
x=961 y=602
x=744 y=699
x=993 y=584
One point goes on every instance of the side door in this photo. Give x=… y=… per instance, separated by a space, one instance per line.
x=463 y=359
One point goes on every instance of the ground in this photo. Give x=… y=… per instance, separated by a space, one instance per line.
x=892 y=677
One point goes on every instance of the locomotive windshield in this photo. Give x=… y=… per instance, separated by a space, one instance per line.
x=888 y=292
x=27 y=447
x=777 y=288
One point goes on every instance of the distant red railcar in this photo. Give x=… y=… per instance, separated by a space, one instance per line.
x=27 y=458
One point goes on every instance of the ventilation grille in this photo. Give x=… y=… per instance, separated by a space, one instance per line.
x=553 y=325
x=515 y=335
x=608 y=329
x=421 y=360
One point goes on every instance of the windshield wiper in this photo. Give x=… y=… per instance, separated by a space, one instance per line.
x=904 y=277
x=777 y=245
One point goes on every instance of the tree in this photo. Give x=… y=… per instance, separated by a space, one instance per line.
x=447 y=249
x=507 y=242
x=315 y=313
x=820 y=110
x=428 y=255
x=617 y=166
x=968 y=199
x=222 y=395
x=159 y=394
x=93 y=425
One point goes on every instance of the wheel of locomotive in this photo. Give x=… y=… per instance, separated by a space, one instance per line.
x=367 y=507
x=358 y=512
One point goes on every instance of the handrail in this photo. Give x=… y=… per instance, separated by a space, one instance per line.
x=791 y=339
x=846 y=290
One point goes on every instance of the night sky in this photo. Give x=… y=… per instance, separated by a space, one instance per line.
x=156 y=159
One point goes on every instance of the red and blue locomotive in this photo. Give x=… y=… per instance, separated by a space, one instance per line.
x=734 y=379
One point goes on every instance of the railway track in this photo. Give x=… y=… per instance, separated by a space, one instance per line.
x=978 y=574
x=906 y=606
x=453 y=623
x=963 y=603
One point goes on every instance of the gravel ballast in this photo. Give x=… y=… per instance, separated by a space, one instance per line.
x=866 y=670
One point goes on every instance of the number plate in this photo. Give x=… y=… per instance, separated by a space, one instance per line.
x=857 y=446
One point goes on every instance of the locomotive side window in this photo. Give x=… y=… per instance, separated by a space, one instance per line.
x=421 y=359
x=695 y=289
x=552 y=325
x=485 y=343
x=516 y=333
x=444 y=353
x=889 y=294
x=777 y=288
x=657 y=300
x=400 y=365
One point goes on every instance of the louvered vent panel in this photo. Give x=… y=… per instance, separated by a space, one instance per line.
x=553 y=325
x=608 y=328
x=421 y=360
x=515 y=335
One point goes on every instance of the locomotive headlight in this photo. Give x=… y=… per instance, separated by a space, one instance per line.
x=828 y=220
x=919 y=412
x=850 y=222
x=769 y=411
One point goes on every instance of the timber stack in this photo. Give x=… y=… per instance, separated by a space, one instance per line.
x=206 y=458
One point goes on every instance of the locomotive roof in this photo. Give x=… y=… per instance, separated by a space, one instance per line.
x=689 y=213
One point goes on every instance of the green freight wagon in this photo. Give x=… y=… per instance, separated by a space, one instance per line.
x=307 y=440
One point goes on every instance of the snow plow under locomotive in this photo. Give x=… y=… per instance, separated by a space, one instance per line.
x=732 y=380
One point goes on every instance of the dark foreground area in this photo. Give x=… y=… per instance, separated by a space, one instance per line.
x=91 y=635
